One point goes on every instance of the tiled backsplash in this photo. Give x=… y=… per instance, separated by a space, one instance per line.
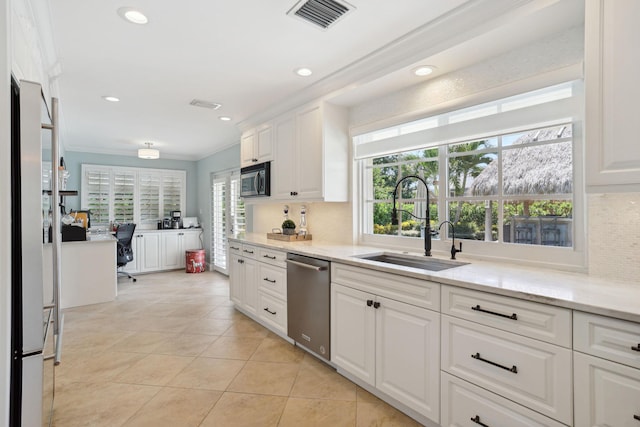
x=614 y=235
x=328 y=222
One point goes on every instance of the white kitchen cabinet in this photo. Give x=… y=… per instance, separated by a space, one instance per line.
x=243 y=282
x=146 y=253
x=606 y=393
x=171 y=254
x=606 y=359
x=388 y=344
x=256 y=146
x=612 y=66
x=311 y=155
x=532 y=373
x=174 y=247
x=258 y=284
x=463 y=402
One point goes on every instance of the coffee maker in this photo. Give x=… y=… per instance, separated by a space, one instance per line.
x=176 y=219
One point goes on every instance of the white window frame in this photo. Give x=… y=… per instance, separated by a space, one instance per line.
x=477 y=128
x=112 y=170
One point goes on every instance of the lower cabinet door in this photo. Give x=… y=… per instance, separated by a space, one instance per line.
x=250 y=284
x=353 y=332
x=171 y=253
x=464 y=404
x=408 y=355
x=236 y=278
x=606 y=393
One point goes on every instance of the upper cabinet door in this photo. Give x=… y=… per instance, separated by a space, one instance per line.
x=612 y=67
x=310 y=158
x=256 y=146
x=246 y=149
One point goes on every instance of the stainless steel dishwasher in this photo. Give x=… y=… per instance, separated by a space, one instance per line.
x=308 y=303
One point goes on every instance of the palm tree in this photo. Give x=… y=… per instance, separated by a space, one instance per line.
x=463 y=167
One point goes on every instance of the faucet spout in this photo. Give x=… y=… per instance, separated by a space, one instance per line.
x=427 y=229
x=454 y=250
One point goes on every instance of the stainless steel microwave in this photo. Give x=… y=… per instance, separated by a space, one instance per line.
x=255 y=180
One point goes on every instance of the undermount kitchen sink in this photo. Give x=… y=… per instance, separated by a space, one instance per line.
x=431 y=264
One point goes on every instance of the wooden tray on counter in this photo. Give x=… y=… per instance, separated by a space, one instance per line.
x=288 y=237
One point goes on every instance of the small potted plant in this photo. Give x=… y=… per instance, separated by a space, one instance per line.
x=288 y=227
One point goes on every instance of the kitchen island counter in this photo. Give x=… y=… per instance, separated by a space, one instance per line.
x=89 y=271
x=577 y=291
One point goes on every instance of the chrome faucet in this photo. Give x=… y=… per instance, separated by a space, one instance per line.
x=427 y=229
x=454 y=251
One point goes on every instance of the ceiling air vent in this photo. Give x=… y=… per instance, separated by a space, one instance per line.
x=321 y=13
x=205 y=104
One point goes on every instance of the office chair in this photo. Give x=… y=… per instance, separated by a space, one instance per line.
x=124 y=254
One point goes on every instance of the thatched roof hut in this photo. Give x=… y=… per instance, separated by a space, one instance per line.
x=539 y=169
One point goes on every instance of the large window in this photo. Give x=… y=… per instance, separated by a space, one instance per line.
x=139 y=195
x=502 y=173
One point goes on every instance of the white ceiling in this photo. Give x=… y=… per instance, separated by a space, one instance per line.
x=242 y=54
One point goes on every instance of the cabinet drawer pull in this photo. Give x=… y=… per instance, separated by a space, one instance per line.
x=513 y=369
x=512 y=317
x=240 y=261
x=269 y=311
x=376 y=304
x=266 y=279
x=267 y=256
x=249 y=252
x=476 y=420
x=369 y=302
x=636 y=417
x=636 y=348
x=234 y=248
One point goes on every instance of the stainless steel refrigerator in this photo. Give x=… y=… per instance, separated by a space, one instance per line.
x=36 y=327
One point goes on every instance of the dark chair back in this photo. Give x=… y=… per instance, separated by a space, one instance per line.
x=124 y=234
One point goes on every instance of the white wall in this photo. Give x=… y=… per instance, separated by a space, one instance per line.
x=5 y=203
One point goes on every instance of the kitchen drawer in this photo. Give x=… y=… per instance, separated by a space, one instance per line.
x=421 y=293
x=270 y=256
x=235 y=248
x=272 y=280
x=606 y=337
x=272 y=311
x=249 y=251
x=607 y=393
x=463 y=402
x=531 y=319
x=530 y=372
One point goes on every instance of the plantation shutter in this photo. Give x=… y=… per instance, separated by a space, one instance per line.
x=124 y=183
x=218 y=221
x=149 y=184
x=96 y=194
x=237 y=207
x=171 y=193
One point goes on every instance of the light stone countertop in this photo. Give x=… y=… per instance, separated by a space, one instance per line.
x=576 y=291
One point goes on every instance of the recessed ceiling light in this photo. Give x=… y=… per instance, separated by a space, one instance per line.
x=304 y=72
x=111 y=98
x=225 y=118
x=423 y=70
x=132 y=15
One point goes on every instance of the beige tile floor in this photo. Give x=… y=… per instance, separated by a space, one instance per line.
x=172 y=351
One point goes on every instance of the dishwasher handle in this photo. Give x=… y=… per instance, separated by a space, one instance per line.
x=309 y=266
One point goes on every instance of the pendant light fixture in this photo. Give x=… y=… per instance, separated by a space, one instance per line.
x=148 y=153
